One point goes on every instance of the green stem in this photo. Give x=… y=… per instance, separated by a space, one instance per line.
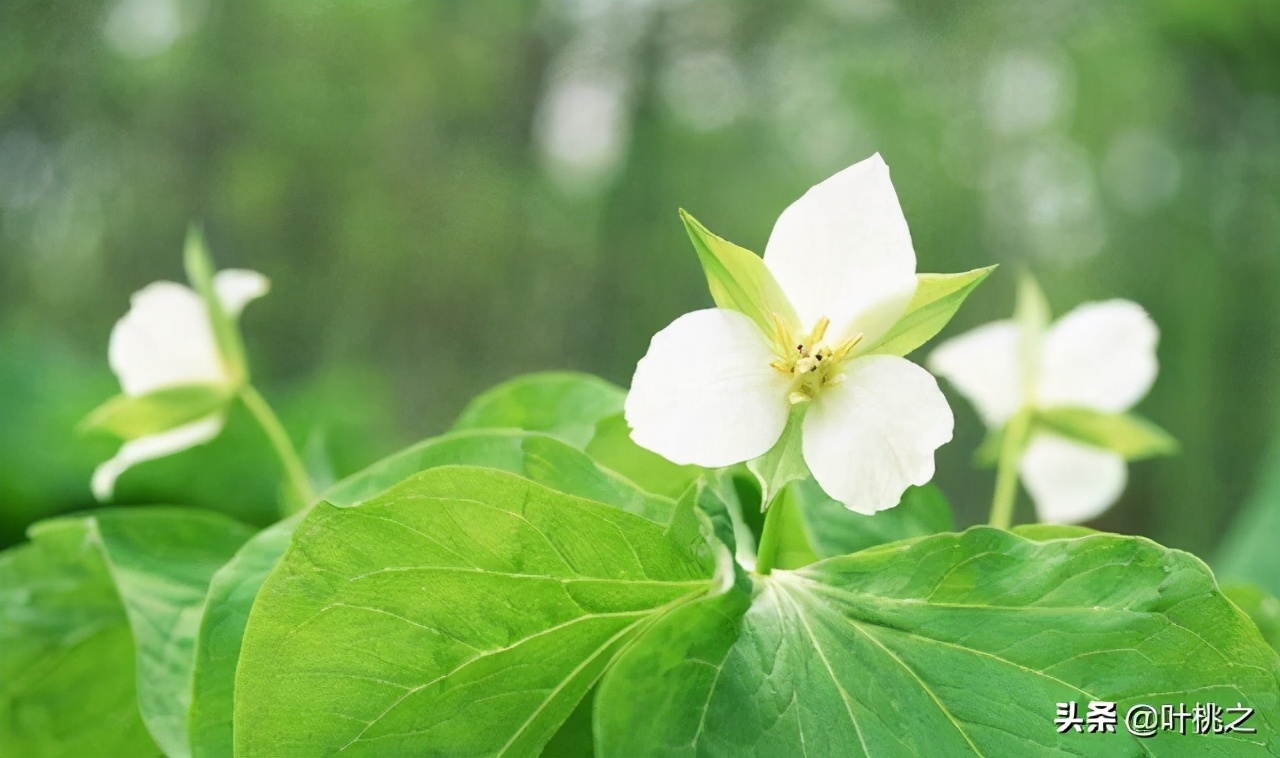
x=1006 y=494
x=770 y=537
x=292 y=464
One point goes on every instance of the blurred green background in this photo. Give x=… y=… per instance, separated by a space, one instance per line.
x=446 y=194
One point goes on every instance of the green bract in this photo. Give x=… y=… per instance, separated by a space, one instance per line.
x=130 y=417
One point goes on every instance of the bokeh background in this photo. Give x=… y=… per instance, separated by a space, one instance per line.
x=446 y=194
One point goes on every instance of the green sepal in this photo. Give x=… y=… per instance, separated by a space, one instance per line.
x=738 y=278
x=1130 y=435
x=130 y=417
x=936 y=300
x=784 y=463
x=200 y=271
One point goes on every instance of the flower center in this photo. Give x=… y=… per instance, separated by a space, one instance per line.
x=809 y=360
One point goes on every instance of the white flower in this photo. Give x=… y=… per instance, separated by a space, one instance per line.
x=1100 y=357
x=165 y=341
x=716 y=389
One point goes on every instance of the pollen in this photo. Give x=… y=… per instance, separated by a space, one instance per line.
x=814 y=364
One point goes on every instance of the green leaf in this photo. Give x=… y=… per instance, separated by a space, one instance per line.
x=1260 y=606
x=784 y=463
x=162 y=560
x=217 y=650
x=835 y=530
x=1248 y=552
x=936 y=300
x=464 y=612
x=1130 y=435
x=562 y=404
x=1045 y=532
x=738 y=279
x=67 y=667
x=954 y=644
x=543 y=459
x=130 y=417
x=200 y=272
x=613 y=448
x=794 y=548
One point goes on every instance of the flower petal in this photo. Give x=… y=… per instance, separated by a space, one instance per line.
x=1100 y=356
x=983 y=365
x=843 y=251
x=874 y=434
x=164 y=340
x=237 y=287
x=149 y=448
x=705 y=393
x=1070 y=482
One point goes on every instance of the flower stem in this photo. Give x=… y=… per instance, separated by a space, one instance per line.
x=289 y=460
x=1006 y=493
x=767 y=555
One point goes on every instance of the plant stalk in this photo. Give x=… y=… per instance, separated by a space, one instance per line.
x=1006 y=493
x=295 y=472
x=770 y=537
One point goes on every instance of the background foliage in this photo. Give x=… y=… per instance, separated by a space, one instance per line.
x=448 y=194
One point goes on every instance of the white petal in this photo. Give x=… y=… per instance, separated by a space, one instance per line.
x=237 y=287
x=870 y=437
x=705 y=393
x=843 y=251
x=1100 y=356
x=143 y=449
x=983 y=365
x=1070 y=482
x=164 y=340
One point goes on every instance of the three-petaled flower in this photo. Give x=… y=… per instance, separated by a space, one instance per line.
x=175 y=373
x=1058 y=395
x=818 y=329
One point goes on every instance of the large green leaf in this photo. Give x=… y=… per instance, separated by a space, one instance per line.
x=543 y=459
x=563 y=404
x=613 y=448
x=936 y=300
x=739 y=280
x=944 y=646
x=835 y=530
x=132 y=416
x=1249 y=551
x=232 y=591
x=66 y=652
x=162 y=560
x=465 y=611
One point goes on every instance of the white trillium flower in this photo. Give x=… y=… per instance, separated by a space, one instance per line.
x=1100 y=357
x=716 y=388
x=167 y=341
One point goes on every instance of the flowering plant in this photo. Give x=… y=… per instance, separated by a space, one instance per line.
x=575 y=569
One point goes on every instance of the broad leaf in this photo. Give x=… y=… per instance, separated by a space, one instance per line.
x=613 y=448
x=1260 y=606
x=739 y=280
x=162 y=560
x=67 y=666
x=563 y=404
x=936 y=300
x=130 y=417
x=1248 y=551
x=835 y=530
x=543 y=459
x=1129 y=435
x=217 y=651
x=941 y=646
x=464 y=612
